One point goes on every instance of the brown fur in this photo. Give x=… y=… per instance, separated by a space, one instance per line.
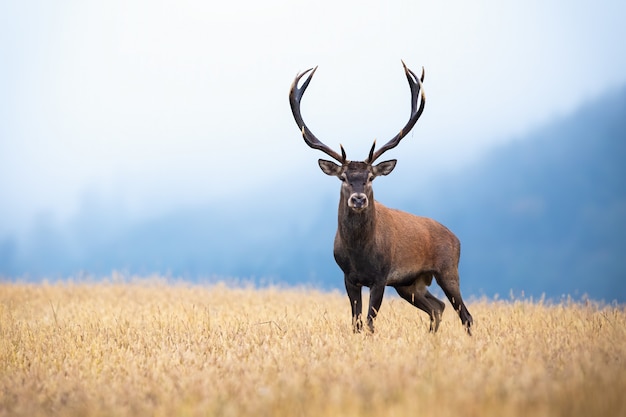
x=377 y=246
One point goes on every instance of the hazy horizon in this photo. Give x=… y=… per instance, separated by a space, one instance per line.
x=153 y=107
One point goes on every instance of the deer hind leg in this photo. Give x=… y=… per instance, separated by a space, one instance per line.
x=418 y=296
x=449 y=283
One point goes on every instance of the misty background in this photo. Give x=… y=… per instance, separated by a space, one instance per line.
x=151 y=137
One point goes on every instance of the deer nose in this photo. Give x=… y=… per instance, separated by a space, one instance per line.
x=358 y=201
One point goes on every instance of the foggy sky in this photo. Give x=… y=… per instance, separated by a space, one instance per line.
x=152 y=106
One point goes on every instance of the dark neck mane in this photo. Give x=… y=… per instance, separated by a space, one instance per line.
x=356 y=229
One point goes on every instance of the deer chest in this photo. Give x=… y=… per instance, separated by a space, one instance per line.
x=363 y=267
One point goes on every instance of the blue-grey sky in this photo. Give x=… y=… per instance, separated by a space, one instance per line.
x=153 y=105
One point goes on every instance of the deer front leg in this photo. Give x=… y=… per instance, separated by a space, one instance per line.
x=354 y=293
x=376 y=299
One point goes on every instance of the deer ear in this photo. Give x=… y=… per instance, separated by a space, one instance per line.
x=330 y=168
x=384 y=168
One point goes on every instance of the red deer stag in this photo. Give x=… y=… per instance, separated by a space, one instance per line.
x=376 y=246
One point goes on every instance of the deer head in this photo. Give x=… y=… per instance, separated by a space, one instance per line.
x=357 y=177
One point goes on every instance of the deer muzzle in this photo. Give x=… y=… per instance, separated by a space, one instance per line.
x=358 y=201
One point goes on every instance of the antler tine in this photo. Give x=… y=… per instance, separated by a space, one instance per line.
x=295 y=95
x=415 y=83
x=369 y=158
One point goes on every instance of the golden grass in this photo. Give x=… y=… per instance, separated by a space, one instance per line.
x=152 y=348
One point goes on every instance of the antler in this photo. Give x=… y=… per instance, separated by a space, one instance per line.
x=416 y=86
x=295 y=95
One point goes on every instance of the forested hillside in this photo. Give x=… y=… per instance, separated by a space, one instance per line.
x=547 y=213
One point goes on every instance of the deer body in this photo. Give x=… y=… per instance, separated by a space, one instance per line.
x=376 y=246
x=395 y=248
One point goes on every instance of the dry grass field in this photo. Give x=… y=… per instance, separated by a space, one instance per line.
x=149 y=347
